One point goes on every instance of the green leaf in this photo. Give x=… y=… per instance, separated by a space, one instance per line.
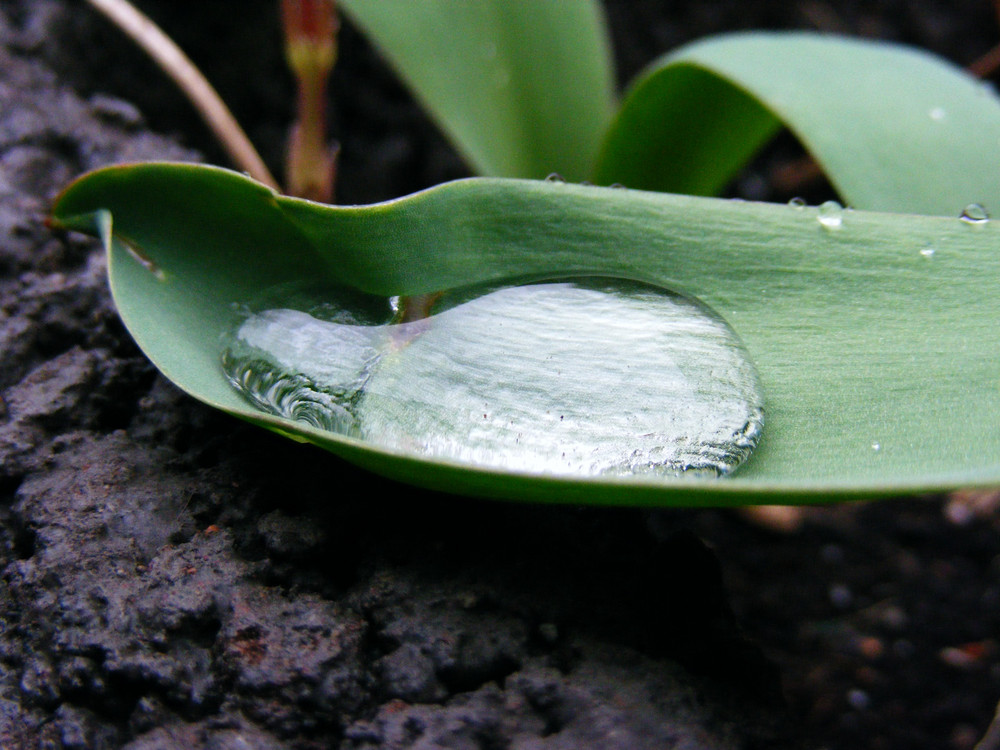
x=876 y=341
x=894 y=128
x=522 y=87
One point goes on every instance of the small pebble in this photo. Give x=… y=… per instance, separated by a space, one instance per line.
x=957 y=658
x=958 y=513
x=117 y=111
x=871 y=647
x=840 y=595
x=858 y=699
x=894 y=617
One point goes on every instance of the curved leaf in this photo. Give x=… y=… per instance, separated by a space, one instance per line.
x=895 y=129
x=523 y=88
x=876 y=340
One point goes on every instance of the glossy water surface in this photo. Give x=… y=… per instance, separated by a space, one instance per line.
x=581 y=377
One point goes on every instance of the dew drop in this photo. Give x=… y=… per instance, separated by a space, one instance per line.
x=554 y=177
x=876 y=446
x=927 y=252
x=797 y=203
x=938 y=114
x=831 y=215
x=582 y=377
x=974 y=213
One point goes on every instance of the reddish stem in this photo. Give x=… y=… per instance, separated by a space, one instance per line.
x=311 y=49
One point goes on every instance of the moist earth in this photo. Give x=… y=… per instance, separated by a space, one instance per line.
x=174 y=578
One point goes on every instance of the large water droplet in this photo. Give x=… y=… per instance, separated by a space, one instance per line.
x=580 y=377
x=831 y=215
x=974 y=213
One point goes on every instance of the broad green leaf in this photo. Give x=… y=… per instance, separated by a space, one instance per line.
x=895 y=129
x=523 y=88
x=876 y=340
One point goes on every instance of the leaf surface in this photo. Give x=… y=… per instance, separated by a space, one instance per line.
x=876 y=342
x=522 y=87
x=894 y=128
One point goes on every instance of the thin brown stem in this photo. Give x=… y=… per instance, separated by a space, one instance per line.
x=189 y=79
x=987 y=64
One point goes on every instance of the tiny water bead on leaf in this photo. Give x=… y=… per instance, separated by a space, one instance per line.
x=583 y=377
x=831 y=215
x=974 y=213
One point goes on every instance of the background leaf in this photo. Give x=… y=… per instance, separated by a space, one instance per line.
x=879 y=358
x=894 y=128
x=522 y=87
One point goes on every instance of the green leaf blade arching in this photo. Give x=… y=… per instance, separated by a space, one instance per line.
x=876 y=341
x=523 y=88
x=894 y=128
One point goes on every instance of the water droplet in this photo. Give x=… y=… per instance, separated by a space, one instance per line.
x=876 y=446
x=927 y=252
x=582 y=377
x=554 y=177
x=938 y=113
x=974 y=213
x=797 y=203
x=617 y=186
x=831 y=215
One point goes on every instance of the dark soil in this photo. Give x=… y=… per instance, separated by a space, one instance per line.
x=174 y=578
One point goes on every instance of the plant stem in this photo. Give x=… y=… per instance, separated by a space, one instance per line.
x=189 y=79
x=987 y=64
x=310 y=28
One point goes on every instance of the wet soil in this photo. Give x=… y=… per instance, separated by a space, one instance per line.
x=170 y=577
